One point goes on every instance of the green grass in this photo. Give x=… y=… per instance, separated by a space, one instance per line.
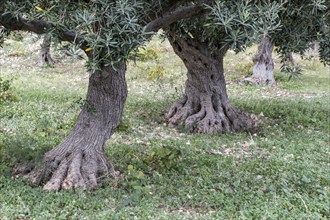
x=281 y=171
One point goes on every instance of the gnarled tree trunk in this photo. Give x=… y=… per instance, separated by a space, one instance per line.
x=205 y=107
x=45 y=57
x=79 y=160
x=263 y=70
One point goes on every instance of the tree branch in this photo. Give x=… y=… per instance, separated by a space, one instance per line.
x=173 y=16
x=39 y=27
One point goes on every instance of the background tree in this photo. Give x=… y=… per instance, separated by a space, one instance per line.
x=301 y=25
x=263 y=69
x=202 y=42
x=45 y=57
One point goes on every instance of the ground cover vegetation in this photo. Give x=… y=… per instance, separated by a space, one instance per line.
x=280 y=171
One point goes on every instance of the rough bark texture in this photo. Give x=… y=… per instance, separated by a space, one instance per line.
x=79 y=160
x=205 y=107
x=263 y=70
x=45 y=57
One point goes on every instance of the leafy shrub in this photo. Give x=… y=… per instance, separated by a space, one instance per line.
x=123 y=126
x=145 y=55
x=162 y=157
x=17 y=36
x=143 y=162
x=245 y=69
x=134 y=180
x=156 y=72
x=5 y=90
x=293 y=71
x=165 y=157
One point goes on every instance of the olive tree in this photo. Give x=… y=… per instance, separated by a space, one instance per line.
x=80 y=158
x=263 y=69
x=302 y=23
x=107 y=31
x=202 y=42
x=45 y=57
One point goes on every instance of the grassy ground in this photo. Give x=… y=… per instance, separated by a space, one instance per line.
x=279 y=172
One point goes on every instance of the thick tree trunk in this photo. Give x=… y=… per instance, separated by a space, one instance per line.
x=45 y=57
x=205 y=107
x=79 y=160
x=263 y=70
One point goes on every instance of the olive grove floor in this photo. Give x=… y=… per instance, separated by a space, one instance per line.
x=279 y=172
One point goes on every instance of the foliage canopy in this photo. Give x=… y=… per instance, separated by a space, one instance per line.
x=293 y=25
x=109 y=30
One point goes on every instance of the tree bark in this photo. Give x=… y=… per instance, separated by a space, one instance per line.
x=204 y=107
x=263 y=70
x=45 y=57
x=80 y=160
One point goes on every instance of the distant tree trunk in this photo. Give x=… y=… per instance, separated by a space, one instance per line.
x=289 y=60
x=263 y=70
x=204 y=107
x=45 y=57
x=79 y=160
x=313 y=50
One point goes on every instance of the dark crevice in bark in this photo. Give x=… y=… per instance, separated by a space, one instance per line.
x=205 y=107
x=179 y=48
x=80 y=160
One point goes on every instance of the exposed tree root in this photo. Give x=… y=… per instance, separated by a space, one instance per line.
x=79 y=169
x=179 y=111
x=210 y=118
